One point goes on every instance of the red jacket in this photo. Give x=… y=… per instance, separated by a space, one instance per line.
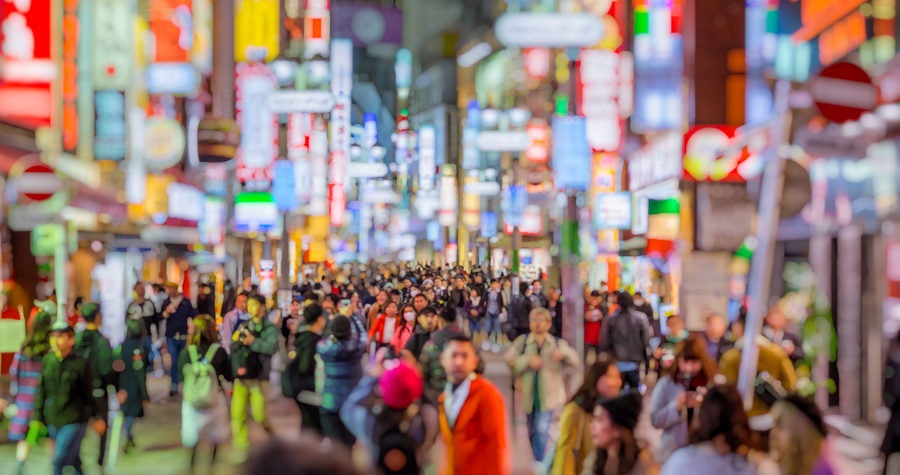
x=476 y=445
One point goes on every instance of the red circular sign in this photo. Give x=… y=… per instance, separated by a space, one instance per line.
x=844 y=92
x=38 y=182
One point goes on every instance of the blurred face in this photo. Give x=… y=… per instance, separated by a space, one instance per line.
x=419 y=302
x=495 y=286
x=328 y=305
x=62 y=342
x=776 y=319
x=395 y=298
x=255 y=309
x=381 y=298
x=675 y=325
x=539 y=324
x=610 y=384
x=603 y=432
x=391 y=310
x=240 y=303
x=715 y=327
x=459 y=361
x=429 y=321
x=473 y=295
x=295 y=308
x=689 y=366
x=538 y=287
x=172 y=292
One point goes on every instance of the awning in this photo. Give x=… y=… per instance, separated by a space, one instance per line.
x=633 y=247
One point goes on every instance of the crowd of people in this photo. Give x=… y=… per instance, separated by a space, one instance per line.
x=392 y=363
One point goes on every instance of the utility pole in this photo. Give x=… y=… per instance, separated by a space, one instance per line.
x=766 y=234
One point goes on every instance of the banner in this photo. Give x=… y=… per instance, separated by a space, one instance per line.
x=112 y=35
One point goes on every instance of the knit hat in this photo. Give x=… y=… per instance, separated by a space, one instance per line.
x=812 y=412
x=624 y=410
x=340 y=327
x=400 y=386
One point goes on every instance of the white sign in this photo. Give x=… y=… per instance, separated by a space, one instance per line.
x=831 y=145
x=341 y=85
x=26 y=217
x=185 y=202
x=482 y=188
x=318 y=154
x=367 y=170
x=259 y=128
x=600 y=99
x=426 y=157
x=496 y=141
x=552 y=30
x=448 y=200
x=658 y=161
x=287 y=102
x=171 y=234
x=381 y=196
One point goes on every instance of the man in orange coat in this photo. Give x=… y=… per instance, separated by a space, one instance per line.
x=472 y=415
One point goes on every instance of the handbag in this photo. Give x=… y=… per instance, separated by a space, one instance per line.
x=768 y=389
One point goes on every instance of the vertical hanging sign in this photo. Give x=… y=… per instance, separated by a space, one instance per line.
x=112 y=44
x=71 y=37
x=259 y=127
x=341 y=85
x=256 y=30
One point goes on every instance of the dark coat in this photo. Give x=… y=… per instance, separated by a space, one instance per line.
x=133 y=379
x=343 y=365
x=65 y=393
x=94 y=348
x=519 y=311
x=304 y=362
x=416 y=342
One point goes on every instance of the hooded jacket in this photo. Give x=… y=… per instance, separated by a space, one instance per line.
x=343 y=369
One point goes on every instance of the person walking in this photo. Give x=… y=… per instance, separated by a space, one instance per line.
x=302 y=368
x=430 y=359
x=66 y=401
x=95 y=348
x=252 y=346
x=144 y=310
x=520 y=309
x=799 y=441
x=24 y=376
x=176 y=312
x=612 y=433
x=720 y=440
x=495 y=305
x=382 y=330
x=602 y=381
x=678 y=393
x=234 y=318
x=475 y=309
x=406 y=329
x=132 y=358
x=427 y=322
x=540 y=365
x=626 y=336
x=555 y=307
x=775 y=329
x=204 y=364
x=593 y=317
x=340 y=353
x=472 y=415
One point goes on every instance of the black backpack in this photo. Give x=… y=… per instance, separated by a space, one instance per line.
x=397 y=453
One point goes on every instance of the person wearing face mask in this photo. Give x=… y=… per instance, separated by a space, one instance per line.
x=678 y=393
x=405 y=330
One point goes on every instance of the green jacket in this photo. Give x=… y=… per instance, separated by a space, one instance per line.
x=94 y=348
x=65 y=392
x=254 y=359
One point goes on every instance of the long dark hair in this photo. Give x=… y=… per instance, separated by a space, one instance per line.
x=722 y=414
x=629 y=451
x=693 y=349
x=37 y=342
x=587 y=395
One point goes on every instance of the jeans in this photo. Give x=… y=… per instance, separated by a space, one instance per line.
x=67 y=451
x=175 y=347
x=152 y=351
x=631 y=379
x=475 y=326
x=246 y=390
x=129 y=425
x=334 y=429
x=539 y=433
x=492 y=324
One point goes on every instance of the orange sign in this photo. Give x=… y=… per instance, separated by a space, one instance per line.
x=71 y=37
x=172 y=24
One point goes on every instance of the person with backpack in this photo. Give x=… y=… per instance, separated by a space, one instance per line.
x=341 y=353
x=95 y=348
x=204 y=409
x=540 y=364
x=385 y=412
x=252 y=346
x=132 y=357
x=627 y=336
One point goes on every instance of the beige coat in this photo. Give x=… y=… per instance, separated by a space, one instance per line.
x=554 y=373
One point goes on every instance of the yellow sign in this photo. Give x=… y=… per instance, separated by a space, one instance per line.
x=256 y=24
x=156 y=205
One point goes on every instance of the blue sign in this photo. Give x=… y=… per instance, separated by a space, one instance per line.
x=488 y=224
x=513 y=204
x=177 y=79
x=571 y=153
x=284 y=186
x=109 y=125
x=612 y=211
